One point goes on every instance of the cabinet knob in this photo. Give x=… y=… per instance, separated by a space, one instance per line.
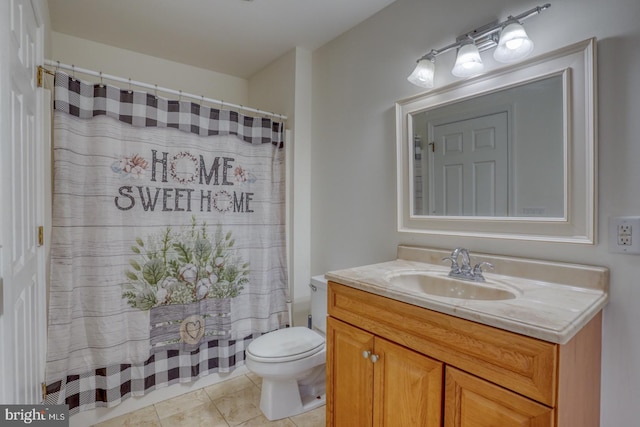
x=366 y=354
x=374 y=358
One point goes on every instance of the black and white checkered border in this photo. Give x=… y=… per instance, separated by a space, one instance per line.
x=86 y=100
x=107 y=387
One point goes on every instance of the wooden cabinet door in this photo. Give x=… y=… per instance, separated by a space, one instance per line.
x=408 y=387
x=472 y=402
x=349 y=376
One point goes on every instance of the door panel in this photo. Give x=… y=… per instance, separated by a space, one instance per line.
x=453 y=189
x=473 y=402
x=408 y=387
x=484 y=183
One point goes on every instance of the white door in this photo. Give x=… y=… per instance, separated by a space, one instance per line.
x=22 y=291
x=470 y=168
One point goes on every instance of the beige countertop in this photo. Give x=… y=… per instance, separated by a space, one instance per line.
x=552 y=301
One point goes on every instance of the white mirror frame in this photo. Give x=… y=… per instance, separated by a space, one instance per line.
x=577 y=64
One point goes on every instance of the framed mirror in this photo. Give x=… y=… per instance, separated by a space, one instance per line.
x=510 y=154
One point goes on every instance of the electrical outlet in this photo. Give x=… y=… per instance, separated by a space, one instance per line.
x=624 y=240
x=624 y=234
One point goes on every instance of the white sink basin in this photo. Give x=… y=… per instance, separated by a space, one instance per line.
x=438 y=283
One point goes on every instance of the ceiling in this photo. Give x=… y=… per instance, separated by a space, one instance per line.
x=235 y=37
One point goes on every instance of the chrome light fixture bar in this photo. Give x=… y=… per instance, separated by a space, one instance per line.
x=508 y=37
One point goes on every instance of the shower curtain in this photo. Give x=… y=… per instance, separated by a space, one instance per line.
x=168 y=242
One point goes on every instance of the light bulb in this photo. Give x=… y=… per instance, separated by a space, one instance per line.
x=514 y=44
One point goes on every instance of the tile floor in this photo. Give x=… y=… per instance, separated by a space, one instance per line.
x=235 y=402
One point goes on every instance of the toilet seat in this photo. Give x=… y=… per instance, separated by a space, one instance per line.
x=285 y=345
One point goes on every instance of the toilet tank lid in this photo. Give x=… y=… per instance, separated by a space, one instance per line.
x=287 y=342
x=319 y=281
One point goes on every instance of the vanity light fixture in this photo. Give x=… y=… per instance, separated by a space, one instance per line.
x=508 y=37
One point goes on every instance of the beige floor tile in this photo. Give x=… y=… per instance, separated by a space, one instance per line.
x=260 y=421
x=227 y=387
x=314 y=418
x=240 y=406
x=145 y=417
x=182 y=403
x=254 y=378
x=199 y=416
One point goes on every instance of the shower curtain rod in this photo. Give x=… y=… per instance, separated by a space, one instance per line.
x=154 y=87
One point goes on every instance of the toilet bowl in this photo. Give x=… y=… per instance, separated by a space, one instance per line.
x=291 y=362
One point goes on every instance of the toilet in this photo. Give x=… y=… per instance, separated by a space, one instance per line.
x=292 y=362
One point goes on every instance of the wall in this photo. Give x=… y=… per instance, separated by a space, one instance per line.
x=127 y=64
x=358 y=77
x=284 y=86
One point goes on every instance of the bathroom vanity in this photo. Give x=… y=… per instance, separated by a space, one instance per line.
x=522 y=349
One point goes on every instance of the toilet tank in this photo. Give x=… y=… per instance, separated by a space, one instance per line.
x=319 y=303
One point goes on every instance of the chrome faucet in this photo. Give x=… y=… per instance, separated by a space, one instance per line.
x=465 y=271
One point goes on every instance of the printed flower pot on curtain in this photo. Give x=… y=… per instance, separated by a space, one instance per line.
x=186 y=280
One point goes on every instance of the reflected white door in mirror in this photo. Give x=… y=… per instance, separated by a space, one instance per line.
x=510 y=154
x=470 y=167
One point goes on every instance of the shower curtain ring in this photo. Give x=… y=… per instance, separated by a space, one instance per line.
x=73 y=73
x=101 y=83
x=155 y=92
x=58 y=66
x=180 y=96
x=130 y=91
